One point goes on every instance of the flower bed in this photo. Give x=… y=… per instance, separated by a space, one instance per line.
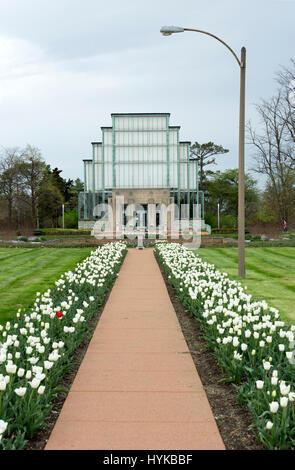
x=251 y=343
x=60 y=231
x=36 y=349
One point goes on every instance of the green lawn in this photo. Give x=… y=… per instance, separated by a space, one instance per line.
x=25 y=271
x=270 y=273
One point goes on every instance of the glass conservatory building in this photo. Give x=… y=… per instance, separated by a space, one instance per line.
x=141 y=161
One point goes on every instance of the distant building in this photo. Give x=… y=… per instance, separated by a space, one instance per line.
x=141 y=158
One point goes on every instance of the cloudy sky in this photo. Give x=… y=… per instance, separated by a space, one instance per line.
x=66 y=65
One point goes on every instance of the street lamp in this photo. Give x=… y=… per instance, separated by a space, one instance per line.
x=167 y=31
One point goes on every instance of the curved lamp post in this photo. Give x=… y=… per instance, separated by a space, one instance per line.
x=167 y=31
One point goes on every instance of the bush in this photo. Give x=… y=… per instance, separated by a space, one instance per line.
x=211 y=219
x=71 y=219
x=228 y=221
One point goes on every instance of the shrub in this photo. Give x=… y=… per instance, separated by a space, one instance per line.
x=71 y=219
x=211 y=219
x=228 y=221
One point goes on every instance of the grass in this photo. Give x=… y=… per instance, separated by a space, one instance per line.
x=269 y=274
x=23 y=272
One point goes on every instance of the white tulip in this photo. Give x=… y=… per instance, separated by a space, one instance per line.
x=20 y=391
x=48 y=364
x=41 y=389
x=284 y=389
x=284 y=402
x=274 y=406
x=237 y=356
x=2 y=385
x=33 y=360
x=20 y=372
x=11 y=368
x=259 y=384
x=3 y=426
x=35 y=383
x=274 y=381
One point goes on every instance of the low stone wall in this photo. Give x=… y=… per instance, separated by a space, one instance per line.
x=86 y=224
x=212 y=240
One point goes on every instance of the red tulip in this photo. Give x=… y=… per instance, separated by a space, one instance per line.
x=59 y=314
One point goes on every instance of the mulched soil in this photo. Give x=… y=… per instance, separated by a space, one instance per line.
x=232 y=419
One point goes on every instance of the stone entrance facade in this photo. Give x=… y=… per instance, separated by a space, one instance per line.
x=138 y=210
x=141 y=209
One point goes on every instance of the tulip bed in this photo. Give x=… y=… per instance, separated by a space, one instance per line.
x=254 y=347
x=36 y=347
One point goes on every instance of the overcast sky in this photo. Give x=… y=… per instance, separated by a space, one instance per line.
x=66 y=65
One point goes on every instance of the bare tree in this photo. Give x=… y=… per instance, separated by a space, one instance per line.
x=10 y=177
x=286 y=80
x=32 y=170
x=274 y=152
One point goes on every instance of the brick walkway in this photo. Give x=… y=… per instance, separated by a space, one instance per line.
x=137 y=387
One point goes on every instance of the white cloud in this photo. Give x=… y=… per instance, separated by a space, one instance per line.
x=18 y=57
x=28 y=76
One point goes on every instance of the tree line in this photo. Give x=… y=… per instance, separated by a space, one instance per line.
x=32 y=193
x=30 y=190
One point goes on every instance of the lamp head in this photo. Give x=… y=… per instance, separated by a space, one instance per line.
x=168 y=30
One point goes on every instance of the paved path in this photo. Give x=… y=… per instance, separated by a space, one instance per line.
x=137 y=387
